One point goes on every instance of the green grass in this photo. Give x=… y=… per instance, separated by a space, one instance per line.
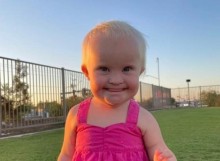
x=38 y=147
x=192 y=134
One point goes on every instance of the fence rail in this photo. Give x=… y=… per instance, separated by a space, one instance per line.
x=36 y=95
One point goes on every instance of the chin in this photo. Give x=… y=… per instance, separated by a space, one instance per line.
x=115 y=101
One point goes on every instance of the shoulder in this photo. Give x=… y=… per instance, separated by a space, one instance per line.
x=73 y=110
x=144 y=113
x=146 y=120
x=71 y=119
x=68 y=146
x=79 y=107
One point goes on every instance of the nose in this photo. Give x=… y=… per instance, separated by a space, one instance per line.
x=116 y=78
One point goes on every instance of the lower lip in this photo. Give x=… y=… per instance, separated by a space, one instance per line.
x=115 y=90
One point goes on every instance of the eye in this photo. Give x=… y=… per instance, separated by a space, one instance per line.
x=127 y=69
x=103 y=69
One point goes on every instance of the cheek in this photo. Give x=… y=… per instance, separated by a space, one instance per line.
x=97 y=81
x=93 y=86
x=133 y=83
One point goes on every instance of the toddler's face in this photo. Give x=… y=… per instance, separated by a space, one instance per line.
x=113 y=68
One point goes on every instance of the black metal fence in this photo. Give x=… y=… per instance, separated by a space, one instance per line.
x=200 y=96
x=153 y=97
x=35 y=96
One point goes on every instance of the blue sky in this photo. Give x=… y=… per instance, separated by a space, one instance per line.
x=183 y=34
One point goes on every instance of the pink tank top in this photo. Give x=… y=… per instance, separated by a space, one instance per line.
x=117 y=142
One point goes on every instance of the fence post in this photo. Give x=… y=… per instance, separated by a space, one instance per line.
x=140 y=92
x=162 y=91
x=153 y=93
x=200 y=95
x=63 y=93
x=0 y=109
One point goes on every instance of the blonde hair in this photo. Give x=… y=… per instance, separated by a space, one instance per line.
x=115 y=29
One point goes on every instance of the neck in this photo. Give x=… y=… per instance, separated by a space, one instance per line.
x=99 y=103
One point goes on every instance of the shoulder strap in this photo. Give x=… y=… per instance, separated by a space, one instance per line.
x=83 y=111
x=133 y=112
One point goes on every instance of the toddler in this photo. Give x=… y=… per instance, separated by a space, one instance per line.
x=111 y=125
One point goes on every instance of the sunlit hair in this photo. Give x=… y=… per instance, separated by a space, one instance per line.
x=115 y=29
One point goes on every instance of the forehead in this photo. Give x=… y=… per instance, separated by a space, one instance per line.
x=114 y=46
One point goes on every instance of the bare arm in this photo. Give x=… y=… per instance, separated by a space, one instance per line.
x=156 y=147
x=68 y=146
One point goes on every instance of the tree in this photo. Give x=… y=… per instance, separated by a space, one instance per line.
x=86 y=92
x=73 y=100
x=210 y=98
x=7 y=109
x=172 y=101
x=15 y=96
x=217 y=102
x=20 y=87
x=53 y=108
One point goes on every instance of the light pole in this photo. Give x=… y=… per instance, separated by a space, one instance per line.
x=188 y=80
x=158 y=70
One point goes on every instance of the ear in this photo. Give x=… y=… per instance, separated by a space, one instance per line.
x=85 y=71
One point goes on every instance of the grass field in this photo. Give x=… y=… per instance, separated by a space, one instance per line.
x=192 y=134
